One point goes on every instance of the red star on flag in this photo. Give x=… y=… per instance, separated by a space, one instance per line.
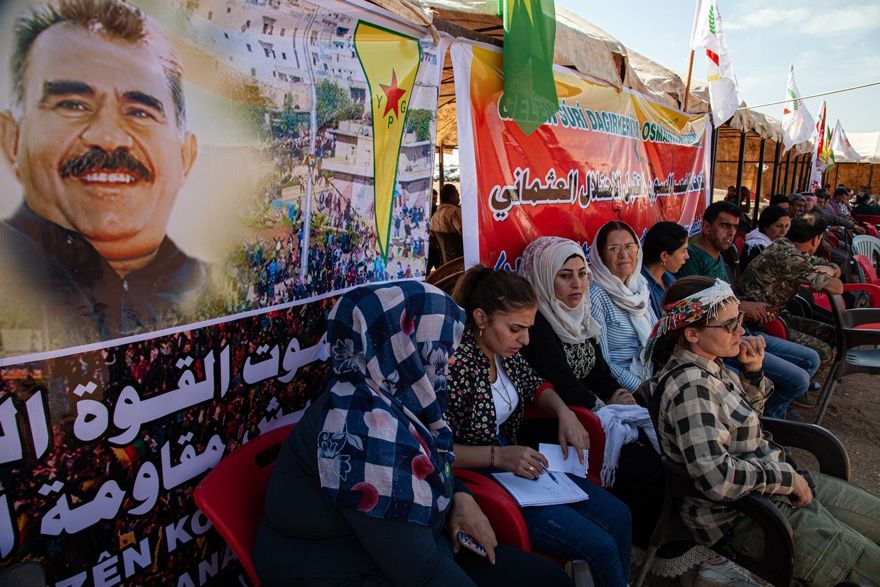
x=393 y=94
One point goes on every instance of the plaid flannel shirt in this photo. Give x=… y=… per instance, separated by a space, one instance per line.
x=709 y=422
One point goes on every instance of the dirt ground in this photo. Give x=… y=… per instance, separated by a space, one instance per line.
x=854 y=416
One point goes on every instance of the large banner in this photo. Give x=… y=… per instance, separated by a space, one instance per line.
x=186 y=185
x=204 y=160
x=605 y=155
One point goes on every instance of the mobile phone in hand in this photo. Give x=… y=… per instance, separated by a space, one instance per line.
x=468 y=542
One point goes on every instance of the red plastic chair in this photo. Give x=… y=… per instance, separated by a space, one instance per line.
x=867 y=218
x=592 y=425
x=873 y=291
x=776 y=328
x=739 y=241
x=502 y=510
x=867 y=269
x=499 y=507
x=233 y=495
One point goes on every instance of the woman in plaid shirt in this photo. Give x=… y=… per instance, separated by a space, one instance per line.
x=709 y=423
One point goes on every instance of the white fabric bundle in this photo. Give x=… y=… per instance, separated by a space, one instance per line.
x=621 y=424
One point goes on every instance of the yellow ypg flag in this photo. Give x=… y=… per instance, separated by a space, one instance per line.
x=391 y=62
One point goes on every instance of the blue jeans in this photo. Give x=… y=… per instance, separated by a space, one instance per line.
x=789 y=366
x=598 y=530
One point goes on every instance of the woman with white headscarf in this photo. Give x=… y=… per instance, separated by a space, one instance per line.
x=564 y=339
x=620 y=302
x=563 y=350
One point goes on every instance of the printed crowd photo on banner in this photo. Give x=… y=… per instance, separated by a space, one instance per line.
x=184 y=189
x=606 y=154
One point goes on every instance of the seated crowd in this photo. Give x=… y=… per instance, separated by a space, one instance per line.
x=425 y=384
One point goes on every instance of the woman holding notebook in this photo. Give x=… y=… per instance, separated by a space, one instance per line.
x=489 y=384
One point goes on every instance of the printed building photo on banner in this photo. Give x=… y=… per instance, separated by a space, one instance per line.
x=188 y=161
x=185 y=186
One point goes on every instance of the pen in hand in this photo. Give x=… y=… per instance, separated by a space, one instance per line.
x=552 y=476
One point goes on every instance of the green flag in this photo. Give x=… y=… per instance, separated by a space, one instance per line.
x=529 y=36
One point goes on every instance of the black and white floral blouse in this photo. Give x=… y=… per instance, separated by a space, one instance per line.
x=471 y=411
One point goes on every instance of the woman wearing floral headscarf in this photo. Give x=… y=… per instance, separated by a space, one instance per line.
x=363 y=489
x=708 y=422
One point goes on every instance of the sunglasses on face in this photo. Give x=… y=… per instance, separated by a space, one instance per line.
x=731 y=325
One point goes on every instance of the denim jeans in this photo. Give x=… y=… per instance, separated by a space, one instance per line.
x=835 y=538
x=789 y=366
x=598 y=530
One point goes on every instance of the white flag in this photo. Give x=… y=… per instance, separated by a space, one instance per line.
x=843 y=151
x=820 y=151
x=797 y=124
x=707 y=34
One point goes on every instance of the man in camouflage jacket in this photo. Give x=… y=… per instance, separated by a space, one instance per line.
x=776 y=275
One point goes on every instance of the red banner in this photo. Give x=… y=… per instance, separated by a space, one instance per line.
x=605 y=155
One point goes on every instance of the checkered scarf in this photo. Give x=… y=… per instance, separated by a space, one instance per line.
x=384 y=447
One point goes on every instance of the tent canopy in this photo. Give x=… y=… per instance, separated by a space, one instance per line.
x=581 y=46
x=866 y=144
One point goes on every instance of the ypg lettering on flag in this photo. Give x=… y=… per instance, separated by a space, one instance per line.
x=390 y=61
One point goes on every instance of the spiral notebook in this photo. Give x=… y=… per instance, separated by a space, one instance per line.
x=541 y=491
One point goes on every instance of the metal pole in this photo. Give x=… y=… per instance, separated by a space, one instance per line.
x=806 y=181
x=775 y=169
x=440 y=162
x=806 y=172
x=870 y=177
x=687 y=86
x=785 y=178
x=794 y=174
x=739 y=166
x=760 y=177
x=712 y=169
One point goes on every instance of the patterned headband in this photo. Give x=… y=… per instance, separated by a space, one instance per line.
x=705 y=303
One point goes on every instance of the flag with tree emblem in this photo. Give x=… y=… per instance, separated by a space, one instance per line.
x=529 y=40
x=707 y=34
x=797 y=124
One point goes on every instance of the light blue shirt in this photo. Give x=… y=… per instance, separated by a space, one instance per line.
x=619 y=341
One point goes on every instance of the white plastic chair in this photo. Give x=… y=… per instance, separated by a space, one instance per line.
x=868 y=246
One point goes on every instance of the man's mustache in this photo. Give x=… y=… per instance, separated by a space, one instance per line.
x=97 y=159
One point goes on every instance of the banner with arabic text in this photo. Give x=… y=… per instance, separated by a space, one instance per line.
x=605 y=155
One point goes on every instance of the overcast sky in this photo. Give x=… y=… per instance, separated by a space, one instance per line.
x=832 y=45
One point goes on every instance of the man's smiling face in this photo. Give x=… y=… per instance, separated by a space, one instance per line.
x=98 y=149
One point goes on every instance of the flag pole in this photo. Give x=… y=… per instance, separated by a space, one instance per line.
x=687 y=86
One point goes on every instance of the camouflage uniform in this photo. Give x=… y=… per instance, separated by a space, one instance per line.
x=774 y=277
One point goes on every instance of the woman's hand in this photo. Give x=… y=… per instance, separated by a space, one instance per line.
x=572 y=432
x=751 y=352
x=802 y=495
x=521 y=460
x=466 y=516
x=622 y=396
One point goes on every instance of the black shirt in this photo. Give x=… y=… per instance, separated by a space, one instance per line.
x=85 y=292
x=546 y=354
